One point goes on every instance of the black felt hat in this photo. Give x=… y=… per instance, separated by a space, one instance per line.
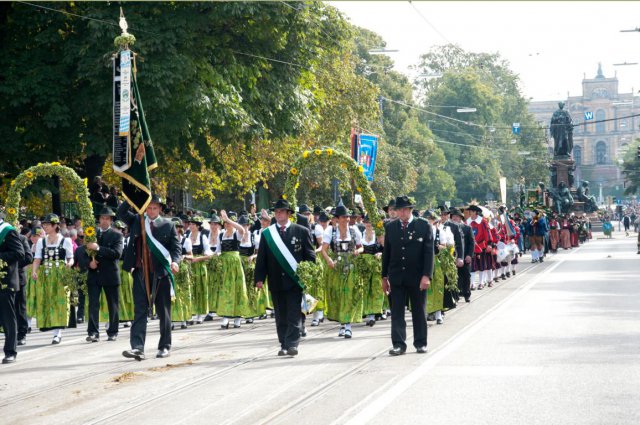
x=404 y=202
x=107 y=211
x=455 y=211
x=317 y=210
x=475 y=208
x=283 y=204
x=392 y=203
x=304 y=208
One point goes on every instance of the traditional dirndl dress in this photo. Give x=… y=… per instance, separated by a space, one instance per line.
x=199 y=283
x=232 y=299
x=126 y=295
x=256 y=304
x=370 y=268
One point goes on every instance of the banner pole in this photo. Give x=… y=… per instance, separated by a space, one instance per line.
x=145 y=261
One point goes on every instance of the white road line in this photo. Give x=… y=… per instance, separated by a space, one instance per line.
x=374 y=407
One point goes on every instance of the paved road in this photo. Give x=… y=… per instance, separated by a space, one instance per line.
x=560 y=343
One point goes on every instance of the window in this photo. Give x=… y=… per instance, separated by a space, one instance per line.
x=577 y=155
x=601 y=153
x=599 y=117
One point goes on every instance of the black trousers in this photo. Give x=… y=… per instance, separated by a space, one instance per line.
x=21 y=312
x=417 y=298
x=464 y=280
x=287 y=306
x=141 y=310
x=112 y=294
x=8 y=321
x=81 y=301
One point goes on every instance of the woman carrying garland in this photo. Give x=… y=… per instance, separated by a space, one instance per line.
x=233 y=300
x=342 y=280
x=200 y=253
x=318 y=289
x=370 y=265
x=181 y=308
x=247 y=251
x=213 y=265
x=264 y=296
x=55 y=253
x=435 y=293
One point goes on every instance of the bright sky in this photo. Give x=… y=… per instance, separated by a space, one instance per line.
x=551 y=45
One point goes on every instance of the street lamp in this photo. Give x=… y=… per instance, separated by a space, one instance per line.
x=382 y=51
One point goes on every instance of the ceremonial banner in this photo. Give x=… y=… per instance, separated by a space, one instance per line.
x=503 y=190
x=367 y=152
x=133 y=155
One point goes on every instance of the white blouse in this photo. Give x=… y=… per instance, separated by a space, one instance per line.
x=67 y=245
x=328 y=235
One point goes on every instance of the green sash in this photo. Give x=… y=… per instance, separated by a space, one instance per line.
x=5 y=228
x=282 y=253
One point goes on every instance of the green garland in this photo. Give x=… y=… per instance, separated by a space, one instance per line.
x=28 y=176
x=449 y=269
x=327 y=158
x=3 y=273
x=311 y=275
x=74 y=280
x=368 y=265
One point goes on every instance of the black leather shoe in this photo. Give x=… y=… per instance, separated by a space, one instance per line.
x=92 y=338
x=282 y=353
x=112 y=338
x=22 y=341
x=80 y=320
x=183 y=326
x=303 y=332
x=134 y=354
x=292 y=351
x=422 y=350
x=9 y=359
x=208 y=318
x=397 y=351
x=224 y=326
x=163 y=353
x=467 y=299
x=371 y=322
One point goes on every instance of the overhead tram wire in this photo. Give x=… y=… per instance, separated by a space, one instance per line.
x=424 y=18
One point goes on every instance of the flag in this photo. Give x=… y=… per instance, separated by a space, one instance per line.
x=133 y=154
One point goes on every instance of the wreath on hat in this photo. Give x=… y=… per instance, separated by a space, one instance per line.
x=28 y=176
x=329 y=158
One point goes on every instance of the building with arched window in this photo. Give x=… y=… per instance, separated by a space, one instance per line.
x=605 y=125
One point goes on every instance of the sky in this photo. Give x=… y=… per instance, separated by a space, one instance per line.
x=550 y=45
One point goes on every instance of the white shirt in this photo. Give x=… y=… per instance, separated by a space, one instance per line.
x=187 y=245
x=318 y=231
x=67 y=245
x=206 y=248
x=328 y=235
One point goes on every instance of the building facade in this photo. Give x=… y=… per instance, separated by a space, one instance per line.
x=606 y=130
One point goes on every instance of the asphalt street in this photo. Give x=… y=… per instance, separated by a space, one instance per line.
x=557 y=344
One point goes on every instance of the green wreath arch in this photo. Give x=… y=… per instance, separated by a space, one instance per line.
x=27 y=177
x=330 y=157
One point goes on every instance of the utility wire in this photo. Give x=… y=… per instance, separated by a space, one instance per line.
x=424 y=18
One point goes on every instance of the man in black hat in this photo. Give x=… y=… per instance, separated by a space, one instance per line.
x=282 y=246
x=469 y=243
x=104 y=276
x=390 y=209
x=457 y=234
x=164 y=260
x=12 y=253
x=407 y=268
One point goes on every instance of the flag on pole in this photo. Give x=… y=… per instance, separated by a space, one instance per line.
x=133 y=154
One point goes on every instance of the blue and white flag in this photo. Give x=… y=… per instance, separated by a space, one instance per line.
x=367 y=153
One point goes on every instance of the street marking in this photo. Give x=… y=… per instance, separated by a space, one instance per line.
x=370 y=411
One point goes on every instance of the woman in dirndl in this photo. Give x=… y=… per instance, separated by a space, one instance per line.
x=247 y=254
x=181 y=306
x=342 y=281
x=370 y=270
x=55 y=253
x=200 y=253
x=232 y=301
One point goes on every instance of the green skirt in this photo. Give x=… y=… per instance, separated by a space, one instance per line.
x=257 y=305
x=200 y=299
x=435 y=293
x=344 y=295
x=53 y=305
x=232 y=300
x=371 y=284
x=181 y=308
x=126 y=296
x=31 y=288
x=214 y=273
x=317 y=289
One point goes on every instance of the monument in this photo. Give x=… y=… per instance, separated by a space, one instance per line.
x=562 y=166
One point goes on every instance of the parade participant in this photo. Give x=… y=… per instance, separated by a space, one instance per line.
x=282 y=247
x=182 y=308
x=162 y=234
x=319 y=290
x=371 y=256
x=126 y=311
x=22 y=319
x=481 y=260
x=496 y=267
x=536 y=228
x=435 y=293
x=565 y=232
x=390 y=209
x=264 y=294
x=554 y=233
x=455 y=230
x=103 y=275
x=55 y=253
x=206 y=298
x=407 y=269
x=343 y=293
x=35 y=235
x=201 y=252
x=247 y=250
x=468 y=246
x=233 y=301
x=13 y=255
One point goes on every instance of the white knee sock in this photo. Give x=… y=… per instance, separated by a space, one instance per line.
x=237 y=321
x=347 y=326
x=57 y=332
x=438 y=314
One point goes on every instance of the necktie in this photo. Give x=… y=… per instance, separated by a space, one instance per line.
x=283 y=229
x=404 y=226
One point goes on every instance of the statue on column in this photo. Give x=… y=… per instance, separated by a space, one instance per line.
x=561 y=129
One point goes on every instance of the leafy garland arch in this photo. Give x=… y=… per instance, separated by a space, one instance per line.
x=329 y=157
x=27 y=177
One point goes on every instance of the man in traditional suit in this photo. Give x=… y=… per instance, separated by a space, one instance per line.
x=12 y=253
x=407 y=268
x=104 y=275
x=282 y=246
x=457 y=234
x=163 y=259
x=469 y=243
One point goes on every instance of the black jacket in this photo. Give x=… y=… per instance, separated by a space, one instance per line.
x=469 y=240
x=12 y=253
x=28 y=259
x=267 y=265
x=457 y=237
x=107 y=273
x=164 y=231
x=409 y=255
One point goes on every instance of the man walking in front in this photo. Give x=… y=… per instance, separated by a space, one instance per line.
x=407 y=268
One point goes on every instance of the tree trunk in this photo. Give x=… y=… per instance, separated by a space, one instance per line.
x=93 y=165
x=56 y=198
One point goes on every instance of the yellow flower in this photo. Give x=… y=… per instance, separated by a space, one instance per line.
x=55 y=163
x=86 y=182
x=11 y=211
x=294 y=171
x=358 y=189
x=380 y=224
x=284 y=197
x=329 y=151
x=89 y=231
x=361 y=169
x=318 y=152
x=372 y=199
x=29 y=174
x=305 y=154
x=343 y=165
x=297 y=185
x=13 y=182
